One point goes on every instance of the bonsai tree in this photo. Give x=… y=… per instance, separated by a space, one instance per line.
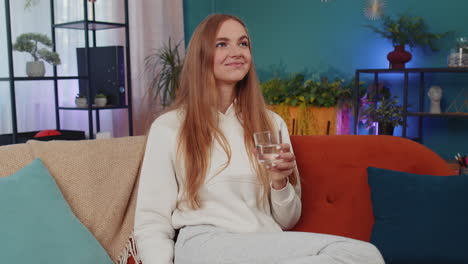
x=407 y=30
x=28 y=42
x=165 y=65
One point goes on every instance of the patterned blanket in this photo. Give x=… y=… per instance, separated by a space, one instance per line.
x=98 y=178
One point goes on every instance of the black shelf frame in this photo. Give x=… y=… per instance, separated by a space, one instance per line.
x=406 y=72
x=449 y=114
x=45 y=78
x=86 y=25
x=93 y=107
x=92 y=25
x=415 y=70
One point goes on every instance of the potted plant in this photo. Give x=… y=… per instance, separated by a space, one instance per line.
x=308 y=106
x=386 y=113
x=100 y=100
x=28 y=42
x=81 y=100
x=165 y=66
x=405 y=30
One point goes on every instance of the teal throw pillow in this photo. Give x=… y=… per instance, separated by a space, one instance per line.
x=419 y=219
x=37 y=224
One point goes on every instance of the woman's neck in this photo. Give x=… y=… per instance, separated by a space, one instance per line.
x=227 y=96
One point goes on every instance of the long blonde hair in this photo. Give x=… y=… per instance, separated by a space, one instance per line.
x=197 y=97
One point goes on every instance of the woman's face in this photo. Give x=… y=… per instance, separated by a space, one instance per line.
x=232 y=56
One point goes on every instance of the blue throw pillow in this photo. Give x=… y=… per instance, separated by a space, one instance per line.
x=419 y=218
x=37 y=224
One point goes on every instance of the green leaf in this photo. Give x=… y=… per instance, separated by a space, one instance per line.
x=407 y=30
x=294 y=102
x=165 y=65
x=28 y=42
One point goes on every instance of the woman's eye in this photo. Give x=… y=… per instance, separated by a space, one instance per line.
x=245 y=44
x=220 y=44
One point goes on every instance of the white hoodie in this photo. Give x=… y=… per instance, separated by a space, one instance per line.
x=228 y=199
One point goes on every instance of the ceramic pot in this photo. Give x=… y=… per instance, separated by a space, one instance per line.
x=100 y=102
x=35 y=69
x=399 y=57
x=81 y=102
x=386 y=129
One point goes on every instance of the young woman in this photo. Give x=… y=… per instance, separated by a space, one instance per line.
x=200 y=172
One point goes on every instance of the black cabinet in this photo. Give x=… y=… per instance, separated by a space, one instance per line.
x=405 y=73
x=107 y=70
x=100 y=69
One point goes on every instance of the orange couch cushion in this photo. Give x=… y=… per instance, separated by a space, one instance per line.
x=335 y=192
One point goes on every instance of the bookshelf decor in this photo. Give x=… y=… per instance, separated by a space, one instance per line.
x=120 y=82
x=459 y=109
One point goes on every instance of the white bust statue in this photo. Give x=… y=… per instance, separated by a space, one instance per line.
x=435 y=94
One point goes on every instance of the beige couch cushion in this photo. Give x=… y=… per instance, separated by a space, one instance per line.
x=98 y=178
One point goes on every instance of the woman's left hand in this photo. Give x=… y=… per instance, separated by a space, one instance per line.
x=281 y=169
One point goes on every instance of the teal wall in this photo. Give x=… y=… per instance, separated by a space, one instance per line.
x=194 y=12
x=329 y=39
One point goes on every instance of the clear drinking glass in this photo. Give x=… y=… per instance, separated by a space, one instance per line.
x=268 y=146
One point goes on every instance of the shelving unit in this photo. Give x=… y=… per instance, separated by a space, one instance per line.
x=406 y=72
x=86 y=25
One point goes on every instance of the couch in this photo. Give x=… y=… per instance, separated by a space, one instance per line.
x=335 y=191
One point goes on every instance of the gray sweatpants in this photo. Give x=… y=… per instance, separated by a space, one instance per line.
x=205 y=244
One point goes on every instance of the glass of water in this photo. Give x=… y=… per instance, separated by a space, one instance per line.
x=268 y=146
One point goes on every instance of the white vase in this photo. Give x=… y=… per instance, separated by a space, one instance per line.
x=81 y=102
x=35 y=68
x=100 y=102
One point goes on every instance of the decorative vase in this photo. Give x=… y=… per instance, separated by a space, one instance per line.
x=35 y=68
x=100 y=102
x=386 y=129
x=81 y=102
x=399 y=57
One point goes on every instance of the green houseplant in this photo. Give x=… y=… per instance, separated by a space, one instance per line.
x=165 y=66
x=81 y=100
x=405 y=30
x=386 y=112
x=100 y=100
x=327 y=94
x=29 y=42
x=308 y=106
x=296 y=91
